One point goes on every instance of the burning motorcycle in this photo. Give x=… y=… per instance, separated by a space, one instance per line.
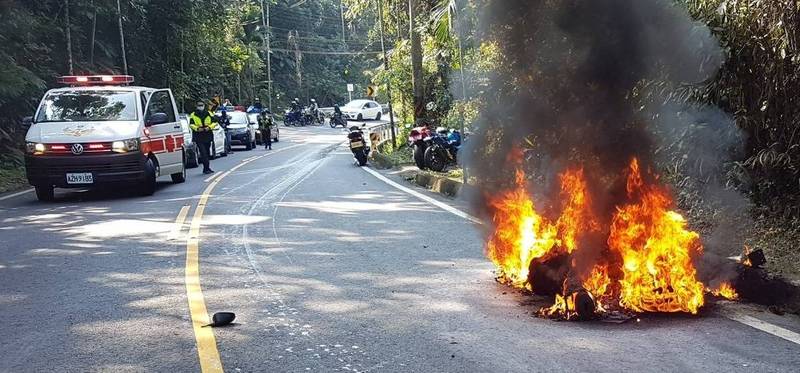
x=416 y=139
x=442 y=149
x=357 y=145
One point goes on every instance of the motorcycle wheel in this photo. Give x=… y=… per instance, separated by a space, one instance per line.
x=436 y=158
x=419 y=156
x=361 y=157
x=332 y=123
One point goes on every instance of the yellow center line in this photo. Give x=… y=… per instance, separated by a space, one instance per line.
x=212 y=177
x=204 y=337
x=178 y=227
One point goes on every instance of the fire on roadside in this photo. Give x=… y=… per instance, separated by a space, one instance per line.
x=726 y=291
x=645 y=266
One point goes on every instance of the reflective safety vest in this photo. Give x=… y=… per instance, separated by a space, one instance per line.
x=195 y=122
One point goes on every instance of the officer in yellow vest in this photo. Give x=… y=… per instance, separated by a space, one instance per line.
x=203 y=125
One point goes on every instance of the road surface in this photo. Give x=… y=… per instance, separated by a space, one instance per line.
x=328 y=268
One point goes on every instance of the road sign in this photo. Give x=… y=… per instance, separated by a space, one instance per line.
x=350 y=88
x=370 y=91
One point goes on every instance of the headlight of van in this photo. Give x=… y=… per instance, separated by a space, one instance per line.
x=125 y=145
x=34 y=148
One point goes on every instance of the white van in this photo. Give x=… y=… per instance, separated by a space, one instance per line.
x=99 y=131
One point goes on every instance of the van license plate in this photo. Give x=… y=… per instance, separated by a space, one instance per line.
x=81 y=178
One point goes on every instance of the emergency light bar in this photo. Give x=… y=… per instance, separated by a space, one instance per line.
x=95 y=79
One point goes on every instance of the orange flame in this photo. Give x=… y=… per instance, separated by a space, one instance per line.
x=564 y=305
x=521 y=235
x=575 y=216
x=656 y=250
x=651 y=242
x=726 y=291
x=598 y=282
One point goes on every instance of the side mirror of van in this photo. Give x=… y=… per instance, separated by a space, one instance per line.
x=157 y=118
x=27 y=122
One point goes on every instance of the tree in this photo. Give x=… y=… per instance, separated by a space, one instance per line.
x=416 y=60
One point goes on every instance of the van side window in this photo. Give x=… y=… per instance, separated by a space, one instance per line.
x=161 y=102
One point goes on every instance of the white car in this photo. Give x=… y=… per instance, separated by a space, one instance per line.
x=362 y=109
x=242 y=129
x=99 y=131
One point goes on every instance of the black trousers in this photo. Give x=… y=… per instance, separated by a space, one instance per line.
x=204 y=147
x=266 y=136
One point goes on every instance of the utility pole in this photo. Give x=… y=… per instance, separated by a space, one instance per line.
x=122 y=39
x=94 y=33
x=69 y=37
x=341 y=12
x=265 y=40
x=388 y=84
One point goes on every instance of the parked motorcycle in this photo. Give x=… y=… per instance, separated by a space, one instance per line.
x=416 y=139
x=442 y=149
x=358 y=146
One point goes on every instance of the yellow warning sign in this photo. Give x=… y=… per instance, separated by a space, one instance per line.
x=374 y=140
x=370 y=91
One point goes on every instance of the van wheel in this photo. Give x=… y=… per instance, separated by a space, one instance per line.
x=191 y=159
x=45 y=193
x=179 y=177
x=149 y=186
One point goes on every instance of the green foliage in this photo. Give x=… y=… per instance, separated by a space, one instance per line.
x=759 y=85
x=198 y=48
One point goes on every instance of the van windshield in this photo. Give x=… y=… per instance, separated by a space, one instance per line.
x=75 y=106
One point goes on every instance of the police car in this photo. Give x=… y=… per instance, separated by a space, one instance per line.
x=101 y=131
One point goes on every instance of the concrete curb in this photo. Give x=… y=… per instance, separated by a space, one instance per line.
x=435 y=183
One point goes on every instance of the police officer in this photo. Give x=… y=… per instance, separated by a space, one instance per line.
x=265 y=126
x=256 y=107
x=203 y=125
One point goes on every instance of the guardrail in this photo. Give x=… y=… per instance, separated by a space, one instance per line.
x=380 y=134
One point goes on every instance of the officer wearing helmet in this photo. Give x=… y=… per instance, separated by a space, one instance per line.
x=203 y=124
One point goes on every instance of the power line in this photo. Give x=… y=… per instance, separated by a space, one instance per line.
x=324 y=52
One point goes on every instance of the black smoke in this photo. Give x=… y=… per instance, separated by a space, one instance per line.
x=576 y=86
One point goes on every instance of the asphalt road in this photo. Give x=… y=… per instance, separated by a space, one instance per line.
x=328 y=268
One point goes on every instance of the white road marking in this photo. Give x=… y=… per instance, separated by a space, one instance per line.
x=212 y=177
x=425 y=198
x=744 y=319
x=764 y=326
x=3 y=198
